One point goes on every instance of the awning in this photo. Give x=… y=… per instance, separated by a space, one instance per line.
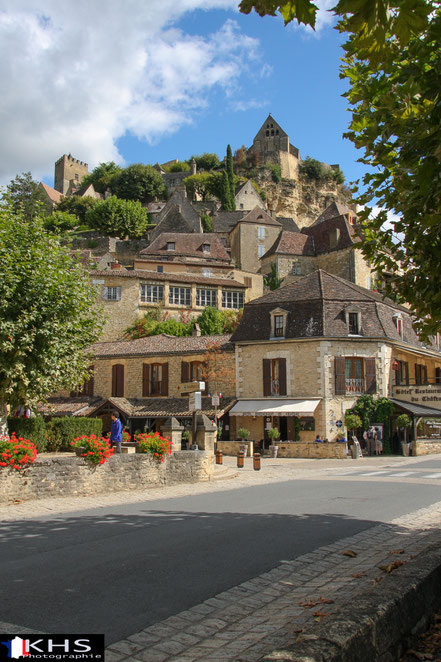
x=417 y=410
x=275 y=407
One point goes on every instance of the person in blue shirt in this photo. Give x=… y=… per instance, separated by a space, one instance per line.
x=318 y=440
x=116 y=431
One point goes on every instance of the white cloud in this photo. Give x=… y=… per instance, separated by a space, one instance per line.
x=75 y=78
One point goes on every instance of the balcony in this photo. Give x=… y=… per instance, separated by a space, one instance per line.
x=354 y=385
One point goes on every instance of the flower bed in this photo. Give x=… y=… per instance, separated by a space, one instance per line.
x=97 y=450
x=153 y=443
x=16 y=452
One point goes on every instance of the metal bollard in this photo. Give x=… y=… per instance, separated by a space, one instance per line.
x=256 y=461
x=219 y=457
x=240 y=459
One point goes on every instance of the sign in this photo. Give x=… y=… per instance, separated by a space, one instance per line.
x=192 y=387
x=428 y=395
x=215 y=400
x=195 y=401
x=339 y=424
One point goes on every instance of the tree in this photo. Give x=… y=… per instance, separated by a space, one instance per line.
x=118 y=218
x=77 y=206
x=200 y=184
x=211 y=321
x=231 y=178
x=60 y=222
x=178 y=166
x=48 y=315
x=102 y=176
x=206 y=161
x=139 y=182
x=273 y=280
x=27 y=195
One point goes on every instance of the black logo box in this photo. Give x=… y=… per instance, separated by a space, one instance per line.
x=55 y=646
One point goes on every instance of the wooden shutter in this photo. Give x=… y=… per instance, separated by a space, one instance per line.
x=282 y=376
x=185 y=372
x=424 y=374
x=145 y=380
x=371 y=376
x=340 y=375
x=266 y=377
x=164 y=379
x=406 y=373
x=118 y=381
x=90 y=383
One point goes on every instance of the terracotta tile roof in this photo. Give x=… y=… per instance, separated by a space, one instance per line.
x=188 y=244
x=161 y=344
x=144 y=275
x=52 y=194
x=75 y=406
x=165 y=407
x=292 y=243
x=259 y=216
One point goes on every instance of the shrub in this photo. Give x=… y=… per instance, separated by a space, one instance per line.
x=33 y=429
x=16 y=452
x=97 y=450
x=63 y=430
x=154 y=444
x=403 y=421
x=273 y=434
x=312 y=168
x=243 y=433
x=276 y=172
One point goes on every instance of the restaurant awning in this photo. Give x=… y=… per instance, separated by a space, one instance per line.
x=416 y=409
x=275 y=407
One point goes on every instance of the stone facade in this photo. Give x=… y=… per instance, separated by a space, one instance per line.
x=426 y=447
x=71 y=476
x=250 y=241
x=247 y=198
x=69 y=173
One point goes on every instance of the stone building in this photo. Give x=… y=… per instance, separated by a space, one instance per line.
x=251 y=238
x=305 y=352
x=247 y=198
x=271 y=145
x=69 y=173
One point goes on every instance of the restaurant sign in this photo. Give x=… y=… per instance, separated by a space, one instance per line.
x=428 y=395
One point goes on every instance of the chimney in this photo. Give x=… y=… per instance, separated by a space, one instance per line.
x=196 y=330
x=116 y=266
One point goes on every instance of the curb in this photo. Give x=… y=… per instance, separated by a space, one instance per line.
x=379 y=625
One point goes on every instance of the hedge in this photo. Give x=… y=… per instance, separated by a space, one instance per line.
x=61 y=431
x=33 y=429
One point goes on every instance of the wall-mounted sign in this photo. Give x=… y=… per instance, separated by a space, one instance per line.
x=194 y=401
x=428 y=395
x=339 y=424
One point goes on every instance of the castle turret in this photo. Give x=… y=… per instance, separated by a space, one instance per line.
x=69 y=173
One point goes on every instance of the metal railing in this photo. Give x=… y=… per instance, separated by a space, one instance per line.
x=354 y=385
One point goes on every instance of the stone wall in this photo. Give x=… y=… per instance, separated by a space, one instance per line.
x=66 y=476
x=312 y=450
x=232 y=447
x=426 y=447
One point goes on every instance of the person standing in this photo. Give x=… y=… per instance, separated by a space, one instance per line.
x=116 y=431
x=372 y=440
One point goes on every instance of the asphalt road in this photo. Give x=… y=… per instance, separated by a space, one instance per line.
x=118 y=570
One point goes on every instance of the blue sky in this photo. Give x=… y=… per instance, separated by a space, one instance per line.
x=167 y=80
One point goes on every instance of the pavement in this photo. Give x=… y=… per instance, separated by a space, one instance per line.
x=299 y=610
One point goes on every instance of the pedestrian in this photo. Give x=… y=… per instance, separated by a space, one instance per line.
x=379 y=431
x=116 y=431
x=371 y=438
x=318 y=440
x=378 y=444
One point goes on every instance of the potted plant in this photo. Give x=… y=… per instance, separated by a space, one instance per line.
x=243 y=435
x=404 y=422
x=274 y=435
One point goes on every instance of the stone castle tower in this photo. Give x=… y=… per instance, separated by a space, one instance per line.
x=69 y=173
x=271 y=145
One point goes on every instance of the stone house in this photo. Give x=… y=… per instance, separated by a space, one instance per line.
x=177 y=215
x=305 y=352
x=251 y=238
x=247 y=198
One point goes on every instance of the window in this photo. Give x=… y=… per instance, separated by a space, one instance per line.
x=170 y=245
x=193 y=371
x=278 y=325
x=206 y=298
x=398 y=321
x=154 y=379
x=260 y=232
x=274 y=377
x=160 y=269
x=180 y=296
x=207 y=273
x=76 y=177
x=112 y=293
x=232 y=299
x=353 y=324
x=118 y=381
x=206 y=248
x=261 y=251
x=437 y=375
x=152 y=293
x=296 y=269
x=355 y=375
x=402 y=374
x=241 y=205
x=420 y=374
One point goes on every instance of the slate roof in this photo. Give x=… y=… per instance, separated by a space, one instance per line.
x=158 y=345
x=320 y=233
x=334 y=209
x=187 y=244
x=171 y=221
x=187 y=211
x=164 y=407
x=259 y=216
x=292 y=243
x=224 y=221
x=316 y=307
x=288 y=224
x=144 y=275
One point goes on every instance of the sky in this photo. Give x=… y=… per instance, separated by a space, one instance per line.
x=147 y=81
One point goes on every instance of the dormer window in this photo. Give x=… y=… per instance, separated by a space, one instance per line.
x=170 y=245
x=353 y=320
x=398 y=321
x=206 y=248
x=278 y=323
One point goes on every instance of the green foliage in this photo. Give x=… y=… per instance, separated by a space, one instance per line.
x=155 y=445
x=206 y=161
x=352 y=421
x=61 y=431
x=313 y=169
x=48 y=316
x=207 y=222
x=372 y=410
x=76 y=206
x=211 y=321
x=118 y=218
x=102 y=176
x=276 y=172
x=231 y=178
x=403 y=421
x=173 y=328
x=33 y=429
x=200 y=184
x=273 y=434
x=365 y=409
x=243 y=433
x=337 y=175
x=178 y=166
x=273 y=280
x=60 y=222
x=231 y=320
x=297 y=428
x=27 y=196
x=139 y=182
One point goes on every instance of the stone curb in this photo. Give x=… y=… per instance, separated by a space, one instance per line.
x=378 y=625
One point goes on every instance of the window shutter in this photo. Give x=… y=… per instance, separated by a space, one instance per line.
x=437 y=375
x=424 y=374
x=340 y=375
x=118 y=293
x=282 y=376
x=406 y=372
x=266 y=377
x=185 y=372
x=145 y=380
x=118 y=381
x=90 y=383
x=164 y=380
x=371 y=376
x=105 y=295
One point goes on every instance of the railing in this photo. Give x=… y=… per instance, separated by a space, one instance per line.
x=354 y=385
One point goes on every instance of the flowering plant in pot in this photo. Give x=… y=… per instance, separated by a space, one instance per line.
x=95 y=450
x=152 y=443
x=16 y=452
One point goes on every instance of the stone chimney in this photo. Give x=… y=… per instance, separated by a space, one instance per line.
x=196 y=330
